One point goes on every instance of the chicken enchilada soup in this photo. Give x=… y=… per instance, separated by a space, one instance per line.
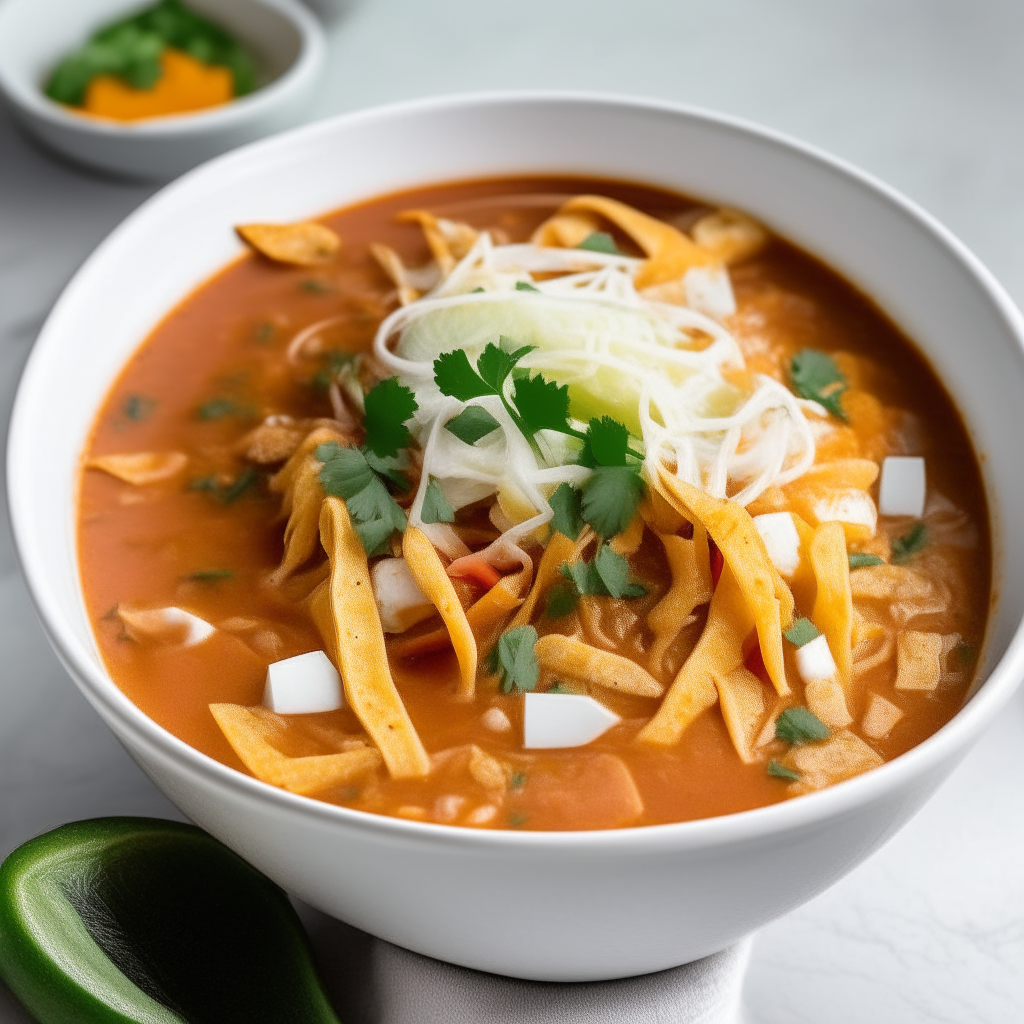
x=539 y=504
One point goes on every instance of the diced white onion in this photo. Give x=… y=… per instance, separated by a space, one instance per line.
x=902 y=488
x=814 y=660
x=304 y=685
x=778 y=531
x=709 y=290
x=553 y=720
x=400 y=602
x=496 y=720
x=850 y=506
x=171 y=625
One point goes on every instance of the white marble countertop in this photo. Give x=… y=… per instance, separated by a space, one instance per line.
x=928 y=95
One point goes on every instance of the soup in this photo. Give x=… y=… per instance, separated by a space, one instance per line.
x=535 y=503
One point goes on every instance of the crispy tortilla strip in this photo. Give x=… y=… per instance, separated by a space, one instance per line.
x=448 y=240
x=302 y=531
x=836 y=491
x=141 y=468
x=841 y=757
x=729 y=235
x=900 y=593
x=833 y=606
x=560 y=549
x=718 y=652
x=281 y=482
x=354 y=633
x=567 y=230
x=827 y=699
x=627 y=542
x=880 y=717
x=918 y=660
x=745 y=701
x=659 y=513
x=249 y=734
x=271 y=442
x=670 y=253
x=731 y=528
x=303 y=244
x=572 y=659
x=690 y=566
x=392 y=265
x=429 y=573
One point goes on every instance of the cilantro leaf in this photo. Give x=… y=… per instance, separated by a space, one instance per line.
x=803 y=631
x=566 y=504
x=516 y=661
x=391 y=469
x=210 y=575
x=816 y=376
x=797 y=725
x=454 y=376
x=859 y=559
x=780 y=771
x=600 y=241
x=347 y=474
x=435 y=505
x=611 y=497
x=562 y=599
x=607 y=575
x=496 y=362
x=139 y=407
x=227 y=493
x=525 y=286
x=606 y=443
x=472 y=424
x=910 y=543
x=542 y=404
x=218 y=408
x=388 y=405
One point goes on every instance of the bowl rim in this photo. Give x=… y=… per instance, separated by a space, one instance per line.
x=28 y=97
x=944 y=747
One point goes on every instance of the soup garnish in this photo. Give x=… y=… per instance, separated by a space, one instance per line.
x=572 y=520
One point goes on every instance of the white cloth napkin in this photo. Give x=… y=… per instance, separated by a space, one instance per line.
x=374 y=982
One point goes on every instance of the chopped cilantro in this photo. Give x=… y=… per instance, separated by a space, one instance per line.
x=606 y=444
x=391 y=469
x=558 y=688
x=517 y=781
x=264 y=332
x=473 y=423
x=496 y=362
x=611 y=497
x=226 y=493
x=803 y=631
x=965 y=652
x=600 y=241
x=607 y=575
x=388 y=406
x=525 y=286
x=910 y=543
x=566 y=502
x=454 y=376
x=562 y=599
x=435 y=505
x=347 y=474
x=816 y=376
x=542 y=404
x=517 y=819
x=861 y=559
x=515 y=661
x=780 y=771
x=315 y=287
x=217 y=408
x=476 y=290
x=138 y=407
x=210 y=575
x=797 y=725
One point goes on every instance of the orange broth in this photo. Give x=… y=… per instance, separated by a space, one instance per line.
x=225 y=344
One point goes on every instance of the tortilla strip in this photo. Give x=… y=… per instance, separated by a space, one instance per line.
x=303 y=244
x=560 y=549
x=447 y=240
x=354 y=633
x=281 y=482
x=670 y=253
x=732 y=529
x=690 y=565
x=141 y=468
x=718 y=652
x=841 y=757
x=833 y=606
x=918 y=660
x=248 y=732
x=729 y=235
x=826 y=699
x=880 y=718
x=392 y=265
x=745 y=700
x=302 y=531
x=569 y=658
x=627 y=542
x=429 y=573
x=567 y=230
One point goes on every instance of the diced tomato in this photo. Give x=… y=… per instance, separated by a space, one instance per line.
x=717 y=562
x=475 y=568
x=755 y=663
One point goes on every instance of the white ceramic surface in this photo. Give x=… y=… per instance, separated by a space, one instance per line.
x=556 y=906
x=284 y=36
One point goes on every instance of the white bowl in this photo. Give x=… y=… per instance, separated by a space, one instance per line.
x=285 y=37
x=557 y=906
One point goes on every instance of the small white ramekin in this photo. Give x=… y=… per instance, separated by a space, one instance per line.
x=284 y=36
x=546 y=905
